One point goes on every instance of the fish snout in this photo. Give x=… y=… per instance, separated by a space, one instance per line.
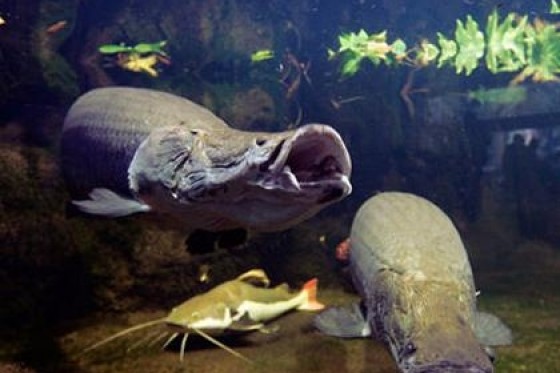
x=446 y=366
x=457 y=360
x=445 y=353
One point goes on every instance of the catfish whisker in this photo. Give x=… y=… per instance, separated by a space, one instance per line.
x=142 y=340
x=183 y=343
x=223 y=346
x=122 y=333
x=158 y=338
x=169 y=340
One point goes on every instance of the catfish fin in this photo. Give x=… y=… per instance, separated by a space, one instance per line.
x=343 y=322
x=243 y=323
x=256 y=277
x=491 y=331
x=311 y=303
x=108 y=203
x=269 y=329
x=243 y=327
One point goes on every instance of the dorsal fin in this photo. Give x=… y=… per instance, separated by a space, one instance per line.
x=255 y=277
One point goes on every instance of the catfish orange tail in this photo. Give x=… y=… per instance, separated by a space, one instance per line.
x=311 y=303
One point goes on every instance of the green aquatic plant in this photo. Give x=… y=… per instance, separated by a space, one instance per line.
x=141 y=48
x=506 y=42
x=554 y=7
x=543 y=53
x=114 y=48
x=511 y=44
x=355 y=47
x=427 y=53
x=501 y=96
x=471 y=46
x=448 y=50
x=262 y=55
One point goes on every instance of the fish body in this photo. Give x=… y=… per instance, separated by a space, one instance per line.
x=418 y=296
x=136 y=150
x=243 y=305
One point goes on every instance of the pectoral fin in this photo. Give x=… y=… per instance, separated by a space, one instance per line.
x=108 y=203
x=243 y=323
x=491 y=331
x=343 y=322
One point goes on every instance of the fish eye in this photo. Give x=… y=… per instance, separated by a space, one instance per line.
x=490 y=353
x=409 y=349
x=197 y=132
x=261 y=142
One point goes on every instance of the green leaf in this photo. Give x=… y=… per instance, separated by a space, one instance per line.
x=114 y=48
x=427 y=53
x=506 y=42
x=554 y=7
x=470 y=41
x=399 y=48
x=448 y=50
x=350 y=66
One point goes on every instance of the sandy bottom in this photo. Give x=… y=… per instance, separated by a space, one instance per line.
x=294 y=347
x=297 y=347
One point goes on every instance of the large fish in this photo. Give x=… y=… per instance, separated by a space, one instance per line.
x=136 y=150
x=418 y=297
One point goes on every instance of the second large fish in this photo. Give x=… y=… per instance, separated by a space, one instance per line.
x=418 y=296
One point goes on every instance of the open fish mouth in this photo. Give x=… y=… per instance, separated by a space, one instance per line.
x=314 y=160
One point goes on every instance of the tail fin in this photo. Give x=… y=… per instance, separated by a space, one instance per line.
x=311 y=303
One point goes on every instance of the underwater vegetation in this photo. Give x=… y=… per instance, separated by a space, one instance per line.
x=140 y=58
x=511 y=44
x=141 y=48
x=262 y=55
x=509 y=95
x=554 y=7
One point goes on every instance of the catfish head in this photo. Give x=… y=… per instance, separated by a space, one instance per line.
x=229 y=179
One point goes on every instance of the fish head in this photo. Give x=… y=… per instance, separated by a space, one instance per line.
x=446 y=346
x=216 y=311
x=200 y=312
x=428 y=325
x=439 y=351
x=255 y=180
